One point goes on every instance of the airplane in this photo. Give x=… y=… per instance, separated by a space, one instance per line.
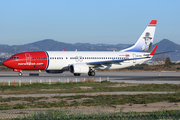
x=85 y=62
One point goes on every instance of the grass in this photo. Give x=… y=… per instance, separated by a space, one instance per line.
x=32 y=99
x=9 y=99
x=104 y=86
x=107 y=100
x=85 y=100
x=67 y=115
x=47 y=86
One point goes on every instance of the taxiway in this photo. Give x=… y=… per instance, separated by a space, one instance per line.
x=127 y=77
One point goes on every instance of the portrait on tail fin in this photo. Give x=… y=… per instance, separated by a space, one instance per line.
x=148 y=43
x=144 y=43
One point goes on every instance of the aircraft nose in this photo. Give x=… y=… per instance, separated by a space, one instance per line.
x=6 y=63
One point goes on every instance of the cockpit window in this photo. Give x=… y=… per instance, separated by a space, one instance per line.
x=14 y=57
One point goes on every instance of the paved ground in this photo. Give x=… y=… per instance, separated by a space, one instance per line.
x=128 y=77
x=92 y=94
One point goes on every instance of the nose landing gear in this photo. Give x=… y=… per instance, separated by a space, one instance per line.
x=17 y=70
x=20 y=73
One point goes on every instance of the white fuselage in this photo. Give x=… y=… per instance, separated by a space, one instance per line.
x=63 y=59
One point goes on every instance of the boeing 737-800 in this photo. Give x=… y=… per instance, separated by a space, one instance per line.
x=80 y=62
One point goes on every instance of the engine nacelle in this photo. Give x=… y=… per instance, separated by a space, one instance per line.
x=78 y=68
x=54 y=71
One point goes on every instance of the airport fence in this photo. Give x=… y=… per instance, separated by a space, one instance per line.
x=40 y=114
x=54 y=81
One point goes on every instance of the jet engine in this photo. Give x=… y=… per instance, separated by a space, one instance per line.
x=78 y=68
x=54 y=71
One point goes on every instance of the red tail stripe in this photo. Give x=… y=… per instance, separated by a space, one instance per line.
x=154 y=50
x=153 y=22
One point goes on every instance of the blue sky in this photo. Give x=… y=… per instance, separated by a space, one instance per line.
x=87 y=21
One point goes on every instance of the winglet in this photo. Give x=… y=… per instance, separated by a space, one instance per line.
x=153 y=22
x=154 y=50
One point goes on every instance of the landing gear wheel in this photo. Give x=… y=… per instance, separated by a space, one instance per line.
x=91 y=73
x=77 y=74
x=20 y=73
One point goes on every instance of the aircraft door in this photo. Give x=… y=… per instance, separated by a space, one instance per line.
x=134 y=56
x=28 y=58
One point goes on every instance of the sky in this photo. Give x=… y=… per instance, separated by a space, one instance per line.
x=87 y=21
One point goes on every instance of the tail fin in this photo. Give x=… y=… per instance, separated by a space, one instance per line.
x=145 y=41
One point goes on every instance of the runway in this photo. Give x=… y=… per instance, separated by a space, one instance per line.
x=127 y=77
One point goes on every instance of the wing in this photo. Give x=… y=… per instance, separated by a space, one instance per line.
x=113 y=61
x=120 y=60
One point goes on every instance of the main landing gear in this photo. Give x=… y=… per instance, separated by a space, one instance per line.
x=20 y=73
x=91 y=73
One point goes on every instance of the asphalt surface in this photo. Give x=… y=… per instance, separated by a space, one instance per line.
x=89 y=94
x=127 y=77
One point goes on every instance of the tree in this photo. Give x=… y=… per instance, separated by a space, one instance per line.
x=160 y=59
x=168 y=62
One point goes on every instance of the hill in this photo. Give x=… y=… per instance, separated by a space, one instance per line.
x=167 y=45
x=52 y=45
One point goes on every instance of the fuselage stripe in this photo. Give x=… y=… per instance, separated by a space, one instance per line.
x=47 y=60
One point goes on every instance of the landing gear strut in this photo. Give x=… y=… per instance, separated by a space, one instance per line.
x=20 y=73
x=91 y=73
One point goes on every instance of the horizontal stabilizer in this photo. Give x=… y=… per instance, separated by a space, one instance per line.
x=165 y=52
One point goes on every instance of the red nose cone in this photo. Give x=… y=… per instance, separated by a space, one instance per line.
x=5 y=63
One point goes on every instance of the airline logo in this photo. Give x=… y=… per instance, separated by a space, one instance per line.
x=27 y=63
